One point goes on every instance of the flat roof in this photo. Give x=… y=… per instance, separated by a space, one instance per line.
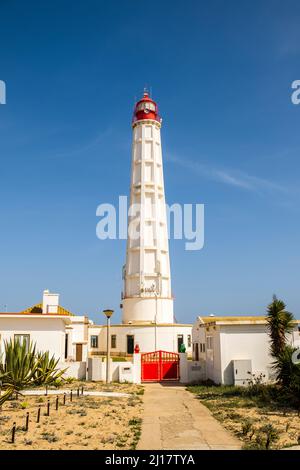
x=62 y=316
x=158 y=325
x=236 y=320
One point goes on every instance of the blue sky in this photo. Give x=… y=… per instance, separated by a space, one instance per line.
x=221 y=72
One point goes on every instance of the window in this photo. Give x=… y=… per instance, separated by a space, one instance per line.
x=146 y=105
x=113 y=341
x=94 y=341
x=22 y=339
x=209 y=342
x=189 y=341
x=196 y=352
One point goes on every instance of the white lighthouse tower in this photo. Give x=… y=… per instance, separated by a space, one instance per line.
x=147 y=295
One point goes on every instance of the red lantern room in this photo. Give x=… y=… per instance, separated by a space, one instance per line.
x=146 y=108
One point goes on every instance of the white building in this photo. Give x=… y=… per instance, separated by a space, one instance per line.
x=228 y=348
x=149 y=337
x=50 y=327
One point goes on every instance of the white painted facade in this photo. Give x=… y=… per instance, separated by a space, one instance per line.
x=47 y=331
x=62 y=334
x=148 y=337
x=227 y=348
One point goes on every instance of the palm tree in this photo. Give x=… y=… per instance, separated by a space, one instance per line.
x=286 y=371
x=280 y=324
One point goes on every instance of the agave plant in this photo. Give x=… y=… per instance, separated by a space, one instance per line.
x=47 y=371
x=19 y=367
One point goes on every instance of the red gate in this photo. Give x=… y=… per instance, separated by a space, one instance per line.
x=160 y=365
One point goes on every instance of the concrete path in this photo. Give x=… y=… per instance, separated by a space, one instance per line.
x=175 y=419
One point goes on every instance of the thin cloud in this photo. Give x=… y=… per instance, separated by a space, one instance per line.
x=231 y=177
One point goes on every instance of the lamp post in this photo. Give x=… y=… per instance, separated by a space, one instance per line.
x=108 y=313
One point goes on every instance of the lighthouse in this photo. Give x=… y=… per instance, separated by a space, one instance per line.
x=147 y=295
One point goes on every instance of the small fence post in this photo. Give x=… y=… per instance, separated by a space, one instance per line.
x=78 y=391
x=46 y=390
x=71 y=395
x=56 y=403
x=65 y=398
x=82 y=390
x=38 y=414
x=27 y=421
x=13 y=433
x=48 y=408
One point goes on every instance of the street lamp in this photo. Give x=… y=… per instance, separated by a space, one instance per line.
x=108 y=313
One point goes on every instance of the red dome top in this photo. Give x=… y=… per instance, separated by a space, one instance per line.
x=146 y=108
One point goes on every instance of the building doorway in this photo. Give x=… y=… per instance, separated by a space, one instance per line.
x=78 y=352
x=130 y=344
x=179 y=342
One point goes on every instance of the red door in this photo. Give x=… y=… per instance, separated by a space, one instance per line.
x=160 y=365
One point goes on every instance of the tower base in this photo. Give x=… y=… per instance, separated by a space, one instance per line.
x=148 y=309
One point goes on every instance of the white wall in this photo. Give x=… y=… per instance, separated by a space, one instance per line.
x=236 y=342
x=144 y=336
x=47 y=332
x=244 y=342
x=75 y=370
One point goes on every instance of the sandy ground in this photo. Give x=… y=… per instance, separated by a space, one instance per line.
x=232 y=412
x=287 y=424
x=85 y=423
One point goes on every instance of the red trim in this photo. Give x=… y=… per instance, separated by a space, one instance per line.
x=141 y=115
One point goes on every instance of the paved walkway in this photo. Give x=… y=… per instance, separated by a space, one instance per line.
x=175 y=419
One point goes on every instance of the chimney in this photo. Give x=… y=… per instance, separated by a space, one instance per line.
x=50 y=302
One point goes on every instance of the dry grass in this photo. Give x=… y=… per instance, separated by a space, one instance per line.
x=233 y=410
x=84 y=423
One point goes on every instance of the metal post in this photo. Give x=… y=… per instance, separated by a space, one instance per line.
x=71 y=395
x=48 y=408
x=108 y=353
x=38 y=415
x=13 y=433
x=56 y=403
x=27 y=421
x=155 y=349
x=82 y=390
x=64 y=398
